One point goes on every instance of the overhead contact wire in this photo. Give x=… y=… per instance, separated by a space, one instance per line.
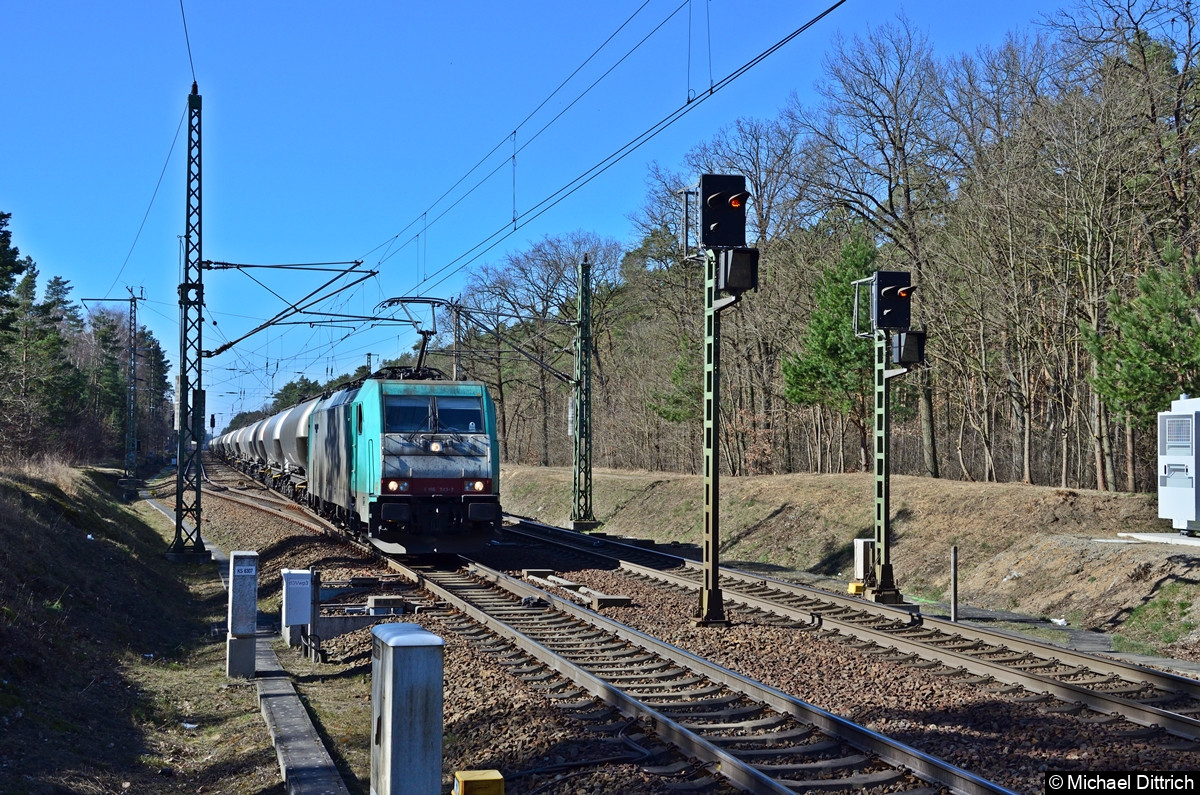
x=483 y=247
x=150 y=206
x=504 y=140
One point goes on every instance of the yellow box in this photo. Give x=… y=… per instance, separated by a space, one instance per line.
x=856 y=589
x=478 y=782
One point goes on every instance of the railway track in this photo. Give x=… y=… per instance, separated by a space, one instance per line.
x=1095 y=688
x=760 y=739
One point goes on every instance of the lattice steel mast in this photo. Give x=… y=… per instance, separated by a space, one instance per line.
x=582 y=517
x=188 y=545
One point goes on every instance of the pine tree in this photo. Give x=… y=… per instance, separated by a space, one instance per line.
x=833 y=369
x=1152 y=352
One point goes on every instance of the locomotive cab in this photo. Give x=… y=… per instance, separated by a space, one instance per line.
x=438 y=462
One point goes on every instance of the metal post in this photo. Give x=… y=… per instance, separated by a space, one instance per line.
x=582 y=518
x=954 y=584
x=457 y=355
x=712 y=608
x=188 y=546
x=885 y=590
x=131 y=403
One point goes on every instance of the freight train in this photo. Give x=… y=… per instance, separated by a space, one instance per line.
x=402 y=456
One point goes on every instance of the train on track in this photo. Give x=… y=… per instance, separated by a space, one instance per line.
x=403 y=457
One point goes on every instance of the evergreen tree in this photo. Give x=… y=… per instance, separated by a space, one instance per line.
x=1152 y=352
x=12 y=265
x=833 y=369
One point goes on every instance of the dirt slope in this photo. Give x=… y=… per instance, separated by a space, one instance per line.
x=1047 y=552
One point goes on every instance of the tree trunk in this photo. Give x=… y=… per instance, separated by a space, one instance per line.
x=928 y=428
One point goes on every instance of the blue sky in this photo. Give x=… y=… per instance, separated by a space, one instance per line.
x=330 y=129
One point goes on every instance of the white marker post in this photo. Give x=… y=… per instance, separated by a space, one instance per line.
x=243 y=614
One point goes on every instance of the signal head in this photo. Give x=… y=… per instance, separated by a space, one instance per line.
x=723 y=213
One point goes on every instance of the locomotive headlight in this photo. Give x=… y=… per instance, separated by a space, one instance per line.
x=435 y=447
x=474 y=485
x=393 y=485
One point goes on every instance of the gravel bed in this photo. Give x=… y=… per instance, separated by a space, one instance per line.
x=1001 y=739
x=495 y=720
x=492 y=720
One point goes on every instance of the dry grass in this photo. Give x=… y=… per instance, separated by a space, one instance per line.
x=1036 y=550
x=57 y=471
x=110 y=679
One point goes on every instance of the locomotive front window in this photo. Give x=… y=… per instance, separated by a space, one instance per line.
x=407 y=414
x=459 y=414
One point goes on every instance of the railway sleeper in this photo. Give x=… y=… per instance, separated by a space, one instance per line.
x=697 y=693
x=607 y=728
x=516 y=661
x=715 y=732
x=1001 y=689
x=790 y=750
x=618 y=661
x=796 y=733
x=542 y=677
x=667 y=685
x=898 y=657
x=603 y=669
x=670 y=673
x=699 y=703
x=859 y=781
x=822 y=765
x=574 y=692
x=626 y=658
x=533 y=668
x=921 y=665
x=551 y=687
x=1099 y=718
x=597 y=714
x=723 y=714
x=1131 y=689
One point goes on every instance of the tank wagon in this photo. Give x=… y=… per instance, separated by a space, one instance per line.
x=402 y=456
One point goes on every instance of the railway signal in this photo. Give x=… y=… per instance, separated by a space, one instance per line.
x=730 y=268
x=723 y=210
x=891 y=300
x=891 y=318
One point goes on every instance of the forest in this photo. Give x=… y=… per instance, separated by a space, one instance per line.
x=1044 y=195
x=65 y=376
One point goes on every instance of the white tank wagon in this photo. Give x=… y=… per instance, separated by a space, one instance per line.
x=293 y=435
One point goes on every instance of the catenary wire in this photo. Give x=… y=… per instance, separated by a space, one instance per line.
x=502 y=233
x=153 y=196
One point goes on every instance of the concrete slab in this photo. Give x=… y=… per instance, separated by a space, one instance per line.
x=304 y=762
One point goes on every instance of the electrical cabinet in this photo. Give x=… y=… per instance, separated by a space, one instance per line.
x=1178 y=498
